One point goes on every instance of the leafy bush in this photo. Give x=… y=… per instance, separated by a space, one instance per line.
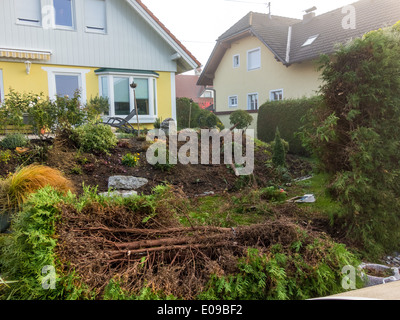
x=303 y=270
x=13 y=141
x=30 y=248
x=242 y=118
x=286 y=115
x=198 y=117
x=5 y=156
x=355 y=134
x=97 y=138
x=96 y=107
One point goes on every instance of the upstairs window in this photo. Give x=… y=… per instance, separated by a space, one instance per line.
x=233 y=101
x=236 y=61
x=64 y=13
x=95 y=16
x=254 y=59
x=28 y=12
x=276 y=95
x=252 y=101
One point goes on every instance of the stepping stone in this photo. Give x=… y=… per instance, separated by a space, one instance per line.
x=123 y=194
x=126 y=183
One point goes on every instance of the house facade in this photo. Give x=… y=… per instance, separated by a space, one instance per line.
x=265 y=57
x=100 y=47
x=186 y=87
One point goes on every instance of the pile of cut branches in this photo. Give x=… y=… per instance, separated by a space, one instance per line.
x=112 y=243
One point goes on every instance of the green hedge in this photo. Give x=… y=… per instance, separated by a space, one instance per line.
x=285 y=115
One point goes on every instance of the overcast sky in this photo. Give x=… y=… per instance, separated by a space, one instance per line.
x=198 y=23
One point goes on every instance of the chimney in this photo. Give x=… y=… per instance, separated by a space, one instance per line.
x=309 y=14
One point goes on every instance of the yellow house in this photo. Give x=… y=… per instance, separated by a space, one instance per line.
x=265 y=57
x=100 y=47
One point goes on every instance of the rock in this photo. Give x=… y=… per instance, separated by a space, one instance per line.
x=123 y=194
x=126 y=183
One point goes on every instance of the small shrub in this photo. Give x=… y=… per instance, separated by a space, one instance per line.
x=13 y=141
x=130 y=160
x=242 y=118
x=96 y=107
x=5 y=156
x=278 y=151
x=273 y=194
x=97 y=138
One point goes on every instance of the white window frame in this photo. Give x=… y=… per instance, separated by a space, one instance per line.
x=233 y=105
x=96 y=30
x=248 y=105
x=258 y=66
x=51 y=77
x=273 y=91
x=27 y=22
x=61 y=27
x=153 y=101
x=1 y=87
x=238 y=61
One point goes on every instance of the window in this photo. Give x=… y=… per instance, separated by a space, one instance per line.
x=276 y=95
x=28 y=12
x=252 y=101
x=1 y=87
x=254 y=59
x=122 y=98
x=310 y=40
x=95 y=16
x=64 y=13
x=233 y=101
x=67 y=85
x=65 y=82
x=236 y=61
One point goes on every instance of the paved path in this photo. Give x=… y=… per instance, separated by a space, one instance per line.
x=389 y=291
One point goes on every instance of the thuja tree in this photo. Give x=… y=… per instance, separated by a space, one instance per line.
x=355 y=133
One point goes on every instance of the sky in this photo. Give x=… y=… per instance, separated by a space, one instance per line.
x=198 y=23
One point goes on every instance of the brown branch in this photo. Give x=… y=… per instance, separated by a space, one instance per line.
x=170 y=248
x=156 y=232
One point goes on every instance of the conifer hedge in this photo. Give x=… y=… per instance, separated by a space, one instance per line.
x=355 y=133
x=286 y=115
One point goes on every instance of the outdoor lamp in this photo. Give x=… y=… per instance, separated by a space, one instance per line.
x=28 y=66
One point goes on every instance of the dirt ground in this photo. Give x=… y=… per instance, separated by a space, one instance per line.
x=95 y=169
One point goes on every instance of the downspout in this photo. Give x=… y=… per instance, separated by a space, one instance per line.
x=289 y=41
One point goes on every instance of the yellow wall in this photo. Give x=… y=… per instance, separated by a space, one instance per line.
x=15 y=77
x=164 y=102
x=296 y=81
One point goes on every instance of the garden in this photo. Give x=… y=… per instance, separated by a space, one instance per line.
x=200 y=232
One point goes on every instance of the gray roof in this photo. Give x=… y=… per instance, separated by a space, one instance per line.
x=273 y=31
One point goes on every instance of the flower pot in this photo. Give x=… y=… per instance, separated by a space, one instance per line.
x=378 y=274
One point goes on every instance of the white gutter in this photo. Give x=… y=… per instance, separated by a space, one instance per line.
x=289 y=40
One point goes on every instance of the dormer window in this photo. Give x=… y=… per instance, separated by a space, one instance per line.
x=310 y=40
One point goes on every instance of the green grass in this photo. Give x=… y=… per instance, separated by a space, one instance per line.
x=319 y=186
x=226 y=211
